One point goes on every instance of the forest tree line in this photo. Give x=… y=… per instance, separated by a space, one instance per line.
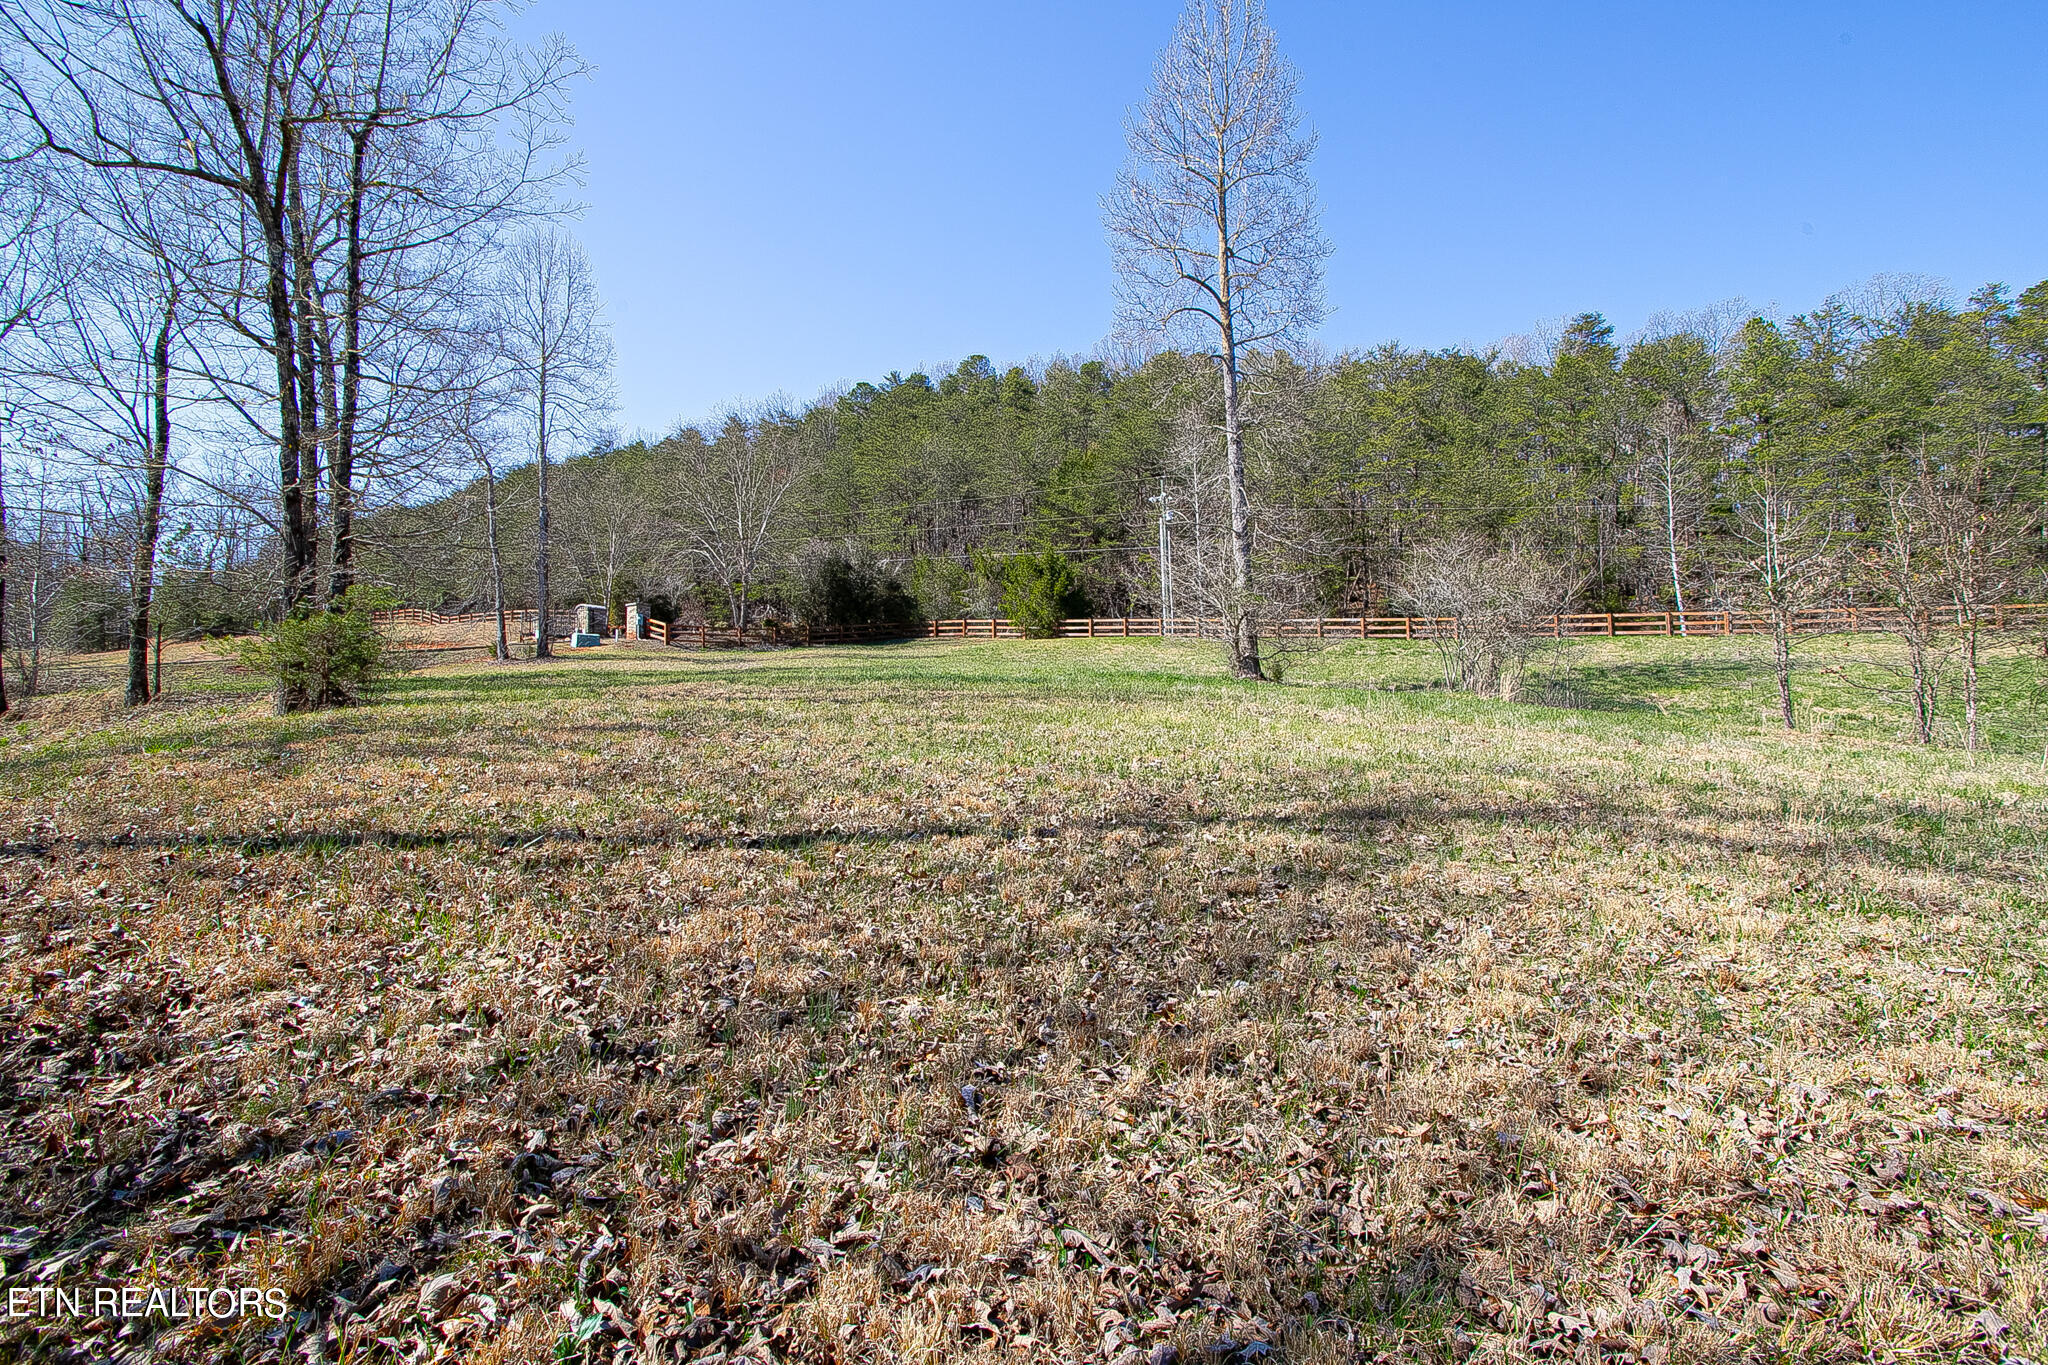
x=1713 y=462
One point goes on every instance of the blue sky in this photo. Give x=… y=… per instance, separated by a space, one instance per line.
x=791 y=196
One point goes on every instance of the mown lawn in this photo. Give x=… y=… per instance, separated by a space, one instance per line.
x=1060 y=1001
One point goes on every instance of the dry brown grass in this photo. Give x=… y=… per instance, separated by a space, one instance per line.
x=931 y=1004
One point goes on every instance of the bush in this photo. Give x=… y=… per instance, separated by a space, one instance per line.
x=195 y=602
x=89 y=614
x=321 y=658
x=1493 y=596
x=1041 y=591
x=945 y=589
x=838 y=585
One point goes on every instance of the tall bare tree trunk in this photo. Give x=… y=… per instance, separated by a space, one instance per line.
x=342 y=466
x=541 y=648
x=1970 y=684
x=307 y=321
x=32 y=680
x=1671 y=529
x=3 y=580
x=1781 y=661
x=497 y=563
x=1920 y=663
x=294 y=530
x=1213 y=222
x=142 y=571
x=1243 y=625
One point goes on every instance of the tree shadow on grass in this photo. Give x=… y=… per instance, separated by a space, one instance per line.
x=1891 y=836
x=1622 y=686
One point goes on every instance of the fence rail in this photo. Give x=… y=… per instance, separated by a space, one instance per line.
x=1571 y=625
x=704 y=636
x=1822 y=621
x=417 y=616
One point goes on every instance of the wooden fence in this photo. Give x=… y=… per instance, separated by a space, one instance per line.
x=1689 y=624
x=515 y=619
x=725 y=637
x=1825 y=621
x=1818 y=621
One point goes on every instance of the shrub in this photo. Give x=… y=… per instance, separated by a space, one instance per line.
x=1493 y=596
x=89 y=614
x=838 y=585
x=197 y=602
x=945 y=588
x=320 y=658
x=1040 y=591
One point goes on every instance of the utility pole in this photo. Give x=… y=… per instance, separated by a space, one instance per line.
x=1165 y=560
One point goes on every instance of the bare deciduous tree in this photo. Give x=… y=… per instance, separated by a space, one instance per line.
x=1783 y=532
x=481 y=403
x=603 y=499
x=1952 y=549
x=216 y=94
x=729 y=496
x=48 y=566
x=29 y=236
x=350 y=155
x=1905 y=565
x=559 y=356
x=1673 y=381
x=1214 y=226
x=1788 y=565
x=102 y=363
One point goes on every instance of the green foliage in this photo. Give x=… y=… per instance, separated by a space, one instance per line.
x=946 y=589
x=839 y=585
x=320 y=658
x=1615 y=458
x=90 y=613
x=1040 y=591
x=192 y=603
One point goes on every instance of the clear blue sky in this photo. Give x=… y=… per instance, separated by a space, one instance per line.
x=783 y=197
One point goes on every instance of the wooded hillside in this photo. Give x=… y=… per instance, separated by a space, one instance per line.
x=1650 y=474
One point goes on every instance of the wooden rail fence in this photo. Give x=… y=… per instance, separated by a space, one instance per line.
x=1573 y=625
x=417 y=616
x=1825 y=621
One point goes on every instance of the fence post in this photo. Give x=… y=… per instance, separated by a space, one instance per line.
x=1610 y=623
x=1667 y=623
x=1727 y=623
x=1407 y=627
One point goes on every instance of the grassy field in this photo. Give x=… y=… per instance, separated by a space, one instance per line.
x=1060 y=1001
